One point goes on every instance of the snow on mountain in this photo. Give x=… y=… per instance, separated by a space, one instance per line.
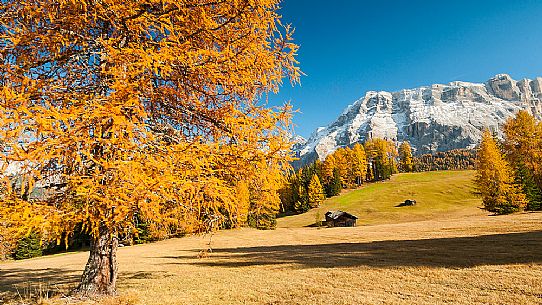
x=432 y=118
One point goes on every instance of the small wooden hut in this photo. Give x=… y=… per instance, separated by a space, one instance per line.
x=340 y=219
x=407 y=203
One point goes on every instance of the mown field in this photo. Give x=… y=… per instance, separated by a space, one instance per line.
x=454 y=255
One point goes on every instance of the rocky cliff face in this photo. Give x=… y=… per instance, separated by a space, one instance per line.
x=433 y=118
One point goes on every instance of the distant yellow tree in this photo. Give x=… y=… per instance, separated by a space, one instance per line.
x=315 y=192
x=328 y=167
x=342 y=164
x=148 y=109
x=524 y=140
x=359 y=164
x=495 y=179
x=523 y=147
x=405 y=157
x=381 y=155
x=350 y=177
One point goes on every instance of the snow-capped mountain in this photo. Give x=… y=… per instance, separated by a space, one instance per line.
x=432 y=118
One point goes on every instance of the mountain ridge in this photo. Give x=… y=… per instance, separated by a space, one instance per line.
x=432 y=118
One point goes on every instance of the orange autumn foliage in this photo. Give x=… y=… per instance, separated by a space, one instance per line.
x=495 y=179
x=149 y=109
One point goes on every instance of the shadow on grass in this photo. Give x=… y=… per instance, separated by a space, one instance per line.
x=459 y=252
x=22 y=283
x=287 y=213
x=321 y=224
x=16 y=283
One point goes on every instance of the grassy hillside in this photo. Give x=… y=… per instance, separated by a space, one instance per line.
x=438 y=194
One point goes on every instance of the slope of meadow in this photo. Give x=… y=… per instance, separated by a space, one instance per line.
x=440 y=194
x=459 y=255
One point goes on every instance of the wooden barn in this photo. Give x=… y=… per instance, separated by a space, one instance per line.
x=407 y=203
x=340 y=219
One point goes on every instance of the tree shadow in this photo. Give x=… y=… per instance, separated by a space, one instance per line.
x=458 y=252
x=27 y=283
x=287 y=213
x=144 y=275
x=321 y=224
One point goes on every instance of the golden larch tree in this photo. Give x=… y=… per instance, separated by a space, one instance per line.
x=359 y=164
x=495 y=179
x=341 y=163
x=523 y=147
x=315 y=192
x=405 y=157
x=328 y=167
x=523 y=140
x=350 y=177
x=381 y=156
x=148 y=109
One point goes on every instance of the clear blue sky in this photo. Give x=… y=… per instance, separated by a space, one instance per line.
x=350 y=47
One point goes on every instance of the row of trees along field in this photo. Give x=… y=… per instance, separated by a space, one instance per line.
x=455 y=159
x=347 y=167
x=509 y=173
x=139 y=110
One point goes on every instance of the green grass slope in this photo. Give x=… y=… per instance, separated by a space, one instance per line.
x=441 y=194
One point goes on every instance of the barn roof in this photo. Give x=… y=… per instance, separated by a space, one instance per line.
x=337 y=214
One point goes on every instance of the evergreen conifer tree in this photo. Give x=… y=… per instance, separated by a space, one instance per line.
x=336 y=184
x=328 y=168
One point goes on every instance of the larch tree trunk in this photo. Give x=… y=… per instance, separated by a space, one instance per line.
x=100 y=275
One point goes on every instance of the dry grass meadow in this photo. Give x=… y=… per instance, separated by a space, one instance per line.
x=455 y=258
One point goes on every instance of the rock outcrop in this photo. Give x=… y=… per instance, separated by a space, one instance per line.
x=433 y=118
